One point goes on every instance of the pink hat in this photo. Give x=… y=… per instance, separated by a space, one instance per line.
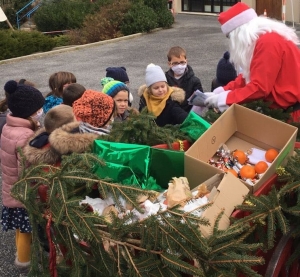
x=236 y=16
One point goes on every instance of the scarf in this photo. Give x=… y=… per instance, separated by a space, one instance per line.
x=156 y=104
x=88 y=128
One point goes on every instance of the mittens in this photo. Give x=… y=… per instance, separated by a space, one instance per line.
x=217 y=101
x=212 y=101
x=209 y=94
x=218 y=90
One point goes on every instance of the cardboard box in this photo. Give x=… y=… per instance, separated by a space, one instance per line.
x=239 y=128
x=226 y=192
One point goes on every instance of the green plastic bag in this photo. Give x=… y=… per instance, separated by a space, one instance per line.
x=117 y=173
x=165 y=164
x=194 y=126
x=126 y=164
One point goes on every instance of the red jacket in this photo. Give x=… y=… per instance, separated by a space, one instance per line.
x=274 y=74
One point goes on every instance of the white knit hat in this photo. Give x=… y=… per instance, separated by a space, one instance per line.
x=236 y=16
x=154 y=74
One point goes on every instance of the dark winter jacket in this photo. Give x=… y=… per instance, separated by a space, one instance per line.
x=172 y=113
x=188 y=82
x=62 y=141
x=125 y=115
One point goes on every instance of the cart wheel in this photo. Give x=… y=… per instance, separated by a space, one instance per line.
x=276 y=266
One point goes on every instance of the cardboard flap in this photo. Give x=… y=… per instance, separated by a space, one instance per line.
x=211 y=214
x=213 y=194
x=232 y=192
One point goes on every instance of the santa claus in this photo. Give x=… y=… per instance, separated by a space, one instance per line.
x=266 y=52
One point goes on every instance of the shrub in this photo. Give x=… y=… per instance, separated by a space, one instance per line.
x=165 y=17
x=54 y=15
x=156 y=5
x=61 y=40
x=102 y=25
x=19 y=43
x=139 y=18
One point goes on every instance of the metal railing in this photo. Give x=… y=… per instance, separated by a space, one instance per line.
x=22 y=13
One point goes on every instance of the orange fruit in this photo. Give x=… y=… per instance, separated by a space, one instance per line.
x=231 y=170
x=247 y=171
x=261 y=167
x=240 y=156
x=271 y=154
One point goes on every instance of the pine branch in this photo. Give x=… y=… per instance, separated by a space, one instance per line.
x=161 y=244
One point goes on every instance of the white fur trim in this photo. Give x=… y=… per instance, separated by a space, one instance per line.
x=21 y=265
x=218 y=90
x=130 y=97
x=222 y=101
x=238 y=20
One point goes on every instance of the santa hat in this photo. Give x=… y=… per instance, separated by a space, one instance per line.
x=236 y=16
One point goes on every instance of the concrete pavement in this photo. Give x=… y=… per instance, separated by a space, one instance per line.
x=199 y=35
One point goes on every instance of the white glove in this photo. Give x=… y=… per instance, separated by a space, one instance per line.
x=218 y=90
x=208 y=94
x=212 y=101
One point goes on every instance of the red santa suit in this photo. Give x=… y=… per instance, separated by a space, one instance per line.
x=274 y=73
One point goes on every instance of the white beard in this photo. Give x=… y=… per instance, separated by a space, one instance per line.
x=243 y=40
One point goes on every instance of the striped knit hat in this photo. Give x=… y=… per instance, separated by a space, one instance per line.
x=112 y=88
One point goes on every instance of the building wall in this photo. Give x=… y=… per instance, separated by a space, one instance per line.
x=292 y=8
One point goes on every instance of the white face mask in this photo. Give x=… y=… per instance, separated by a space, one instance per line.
x=38 y=115
x=179 y=69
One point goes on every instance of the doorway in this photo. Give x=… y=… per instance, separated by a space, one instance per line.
x=272 y=7
x=207 y=6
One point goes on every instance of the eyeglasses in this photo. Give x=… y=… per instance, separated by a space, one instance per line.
x=178 y=63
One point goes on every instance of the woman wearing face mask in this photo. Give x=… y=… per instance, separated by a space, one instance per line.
x=25 y=106
x=160 y=99
x=182 y=75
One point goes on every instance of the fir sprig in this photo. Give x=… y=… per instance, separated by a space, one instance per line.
x=142 y=129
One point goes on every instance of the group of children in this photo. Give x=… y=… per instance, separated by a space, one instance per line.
x=71 y=117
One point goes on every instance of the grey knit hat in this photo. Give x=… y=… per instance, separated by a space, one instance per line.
x=154 y=74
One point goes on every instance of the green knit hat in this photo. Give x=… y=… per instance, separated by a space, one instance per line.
x=112 y=88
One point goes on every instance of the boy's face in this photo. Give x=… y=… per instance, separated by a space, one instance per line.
x=177 y=61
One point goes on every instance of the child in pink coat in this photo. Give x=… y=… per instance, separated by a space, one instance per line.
x=25 y=105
